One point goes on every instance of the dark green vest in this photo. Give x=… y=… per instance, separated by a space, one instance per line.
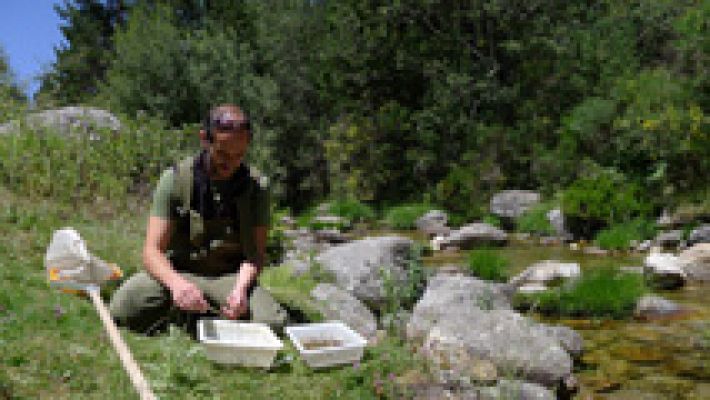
x=214 y=246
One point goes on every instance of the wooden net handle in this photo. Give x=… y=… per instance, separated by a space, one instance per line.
x=129 y=364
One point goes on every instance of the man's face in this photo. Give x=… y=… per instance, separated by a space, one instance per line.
x=230 y=140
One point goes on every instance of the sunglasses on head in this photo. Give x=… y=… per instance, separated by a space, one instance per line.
x=231 y=125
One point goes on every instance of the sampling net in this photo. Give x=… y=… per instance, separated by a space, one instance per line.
x=71 y=267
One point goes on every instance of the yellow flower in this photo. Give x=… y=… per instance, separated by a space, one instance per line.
x=650 y=124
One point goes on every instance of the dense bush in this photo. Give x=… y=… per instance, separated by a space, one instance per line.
x=603 y=292
x=619 y=236
x=436 y=110
x=601 y=199
x=405 y=216
x=401 y=294
x=352 y=210
x=76 y=167
x=492 y=220
x=349 y=210
x=488 y=264
x=535 y=221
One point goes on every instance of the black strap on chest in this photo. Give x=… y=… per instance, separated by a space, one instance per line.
x=210 y=202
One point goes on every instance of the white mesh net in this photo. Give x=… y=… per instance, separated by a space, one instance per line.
x=69 y=264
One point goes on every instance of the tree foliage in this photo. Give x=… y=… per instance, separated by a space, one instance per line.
x=12 y=99
x=415 y=100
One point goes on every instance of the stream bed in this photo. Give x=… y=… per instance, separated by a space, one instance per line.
x=629 y=359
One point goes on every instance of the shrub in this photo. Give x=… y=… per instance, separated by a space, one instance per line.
x=535 y=221
x=293 y=292
x=352 y=210
x=489 y=265
x=275 y=242
x=405 y=216
x=78 y=167
x=603 y=292
x=619 y=236
x=402 y=294
x=492 y=220
x=601 y=199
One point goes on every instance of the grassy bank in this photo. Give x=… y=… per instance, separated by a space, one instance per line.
x=54 y=345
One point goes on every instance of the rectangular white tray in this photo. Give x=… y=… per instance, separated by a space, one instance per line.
x=244 y=343
x=350 y=349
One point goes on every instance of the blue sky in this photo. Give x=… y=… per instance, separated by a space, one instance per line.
x=29 y=30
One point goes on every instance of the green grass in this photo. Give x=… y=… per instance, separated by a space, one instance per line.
x=352 y=210
x=74 y=167
x=402 y=294
x=53 y=344
x=619 y=237
x=293 y=292
x=489 y=265
x=405 y=216
x=604 y=292
x=492 y=220
x=307 y=220
x=535 y=221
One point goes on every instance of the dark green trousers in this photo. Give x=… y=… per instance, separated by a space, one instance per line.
x=144 y=305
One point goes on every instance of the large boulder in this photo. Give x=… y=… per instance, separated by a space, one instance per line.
x=361 y=266
x=700 y=234
x=466 y=328
x=569 y=339
x=472 y=235
x=505 y=389
x=664 y=270
x=513 y=203
x=511 y=342
x=67 y=120
x=546 y=272
x=337 y=304
x=449 y=295
x=433 y=223
x=331 y=235
x=514 y=389
x=696 y=262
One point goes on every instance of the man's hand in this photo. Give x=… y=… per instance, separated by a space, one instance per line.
x=187 y=296
x=237 y=304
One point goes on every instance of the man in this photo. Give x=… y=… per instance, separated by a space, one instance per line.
x=206 y=236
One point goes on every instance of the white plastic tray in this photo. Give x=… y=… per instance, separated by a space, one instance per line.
x=244 y=343
x=349 y=349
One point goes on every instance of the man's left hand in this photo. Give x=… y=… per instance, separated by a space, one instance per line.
x=237 y=304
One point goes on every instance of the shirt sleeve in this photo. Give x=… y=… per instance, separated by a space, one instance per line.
x=161 y=196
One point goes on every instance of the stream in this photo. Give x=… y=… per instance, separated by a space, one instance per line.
x=629 y=359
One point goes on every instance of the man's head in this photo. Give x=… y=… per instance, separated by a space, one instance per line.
x=226 y=134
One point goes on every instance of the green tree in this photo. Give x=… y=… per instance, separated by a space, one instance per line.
x=84 y=56
x=12 y=100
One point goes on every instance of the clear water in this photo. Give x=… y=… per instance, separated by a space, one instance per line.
x=658 y=359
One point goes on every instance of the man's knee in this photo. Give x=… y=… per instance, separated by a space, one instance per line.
x=139 y=302
x=264 y=308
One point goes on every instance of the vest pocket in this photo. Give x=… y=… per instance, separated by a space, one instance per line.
x=197 y=228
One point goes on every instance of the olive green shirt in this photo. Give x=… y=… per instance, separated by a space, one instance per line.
x=220 y=249
x=165 y=190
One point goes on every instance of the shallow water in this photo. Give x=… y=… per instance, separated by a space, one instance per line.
x=659 y=359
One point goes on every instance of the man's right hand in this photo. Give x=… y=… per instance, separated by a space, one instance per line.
x=187 y=296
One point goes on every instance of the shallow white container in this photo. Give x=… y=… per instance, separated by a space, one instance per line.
x=349 y=350
x=244 y=343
